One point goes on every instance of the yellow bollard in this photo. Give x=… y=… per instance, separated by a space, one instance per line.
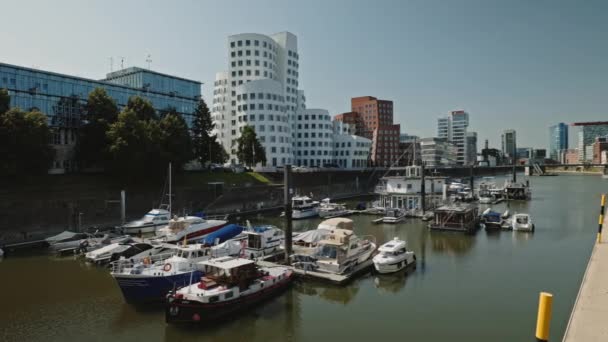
x=543 y=320
x=601 y=220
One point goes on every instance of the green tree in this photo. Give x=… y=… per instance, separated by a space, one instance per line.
x=24 y=143
x=92 y=144
x=142 y=108
x=250 y=151
x=130 y=143
x=206 y=147
x=5 y=101
x=174 y=140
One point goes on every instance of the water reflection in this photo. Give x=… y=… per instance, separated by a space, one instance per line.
x=452 y=243
x=392 y=283
x=332 y=293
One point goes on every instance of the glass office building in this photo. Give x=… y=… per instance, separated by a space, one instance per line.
x=62 y=98
x=558 y=139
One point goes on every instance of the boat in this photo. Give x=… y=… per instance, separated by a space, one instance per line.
x=393 y=215
x=307 y=243
x=94 y=243
x=151 y=278
x=486 y=199
x=139 y=250
x=189 y=227
x=340 y=252
x=491 y=219
x=228 y=286
x=506 y=214
x=327 y=209
x=154 y=219
x=522 y=222
x=304 y=207
x=393 y=256
x=67 y=240
x=455 y=217
x=221 y=235
x=263 y=240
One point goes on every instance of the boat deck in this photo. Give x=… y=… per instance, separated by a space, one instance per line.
x=338 y=279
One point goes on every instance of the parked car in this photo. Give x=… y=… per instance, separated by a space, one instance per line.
x=237 y=168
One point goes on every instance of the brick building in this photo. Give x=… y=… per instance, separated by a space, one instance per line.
x=373 y=119
x=600 y=145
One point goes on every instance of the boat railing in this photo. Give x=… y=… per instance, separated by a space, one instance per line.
x=120 y=265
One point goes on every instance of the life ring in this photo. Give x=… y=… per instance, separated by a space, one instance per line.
x=167 y=267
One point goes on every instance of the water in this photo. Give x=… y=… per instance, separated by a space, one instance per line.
x=466 y=288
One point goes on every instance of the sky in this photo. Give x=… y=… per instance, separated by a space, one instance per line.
x=515 y=64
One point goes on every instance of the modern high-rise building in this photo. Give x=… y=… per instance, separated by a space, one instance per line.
x=373 y=119
x=471 y=148
x=587 y=133
x=62 y=98
x=558 y=139
x=436 y=152
x=509 y=145
x=453 y=128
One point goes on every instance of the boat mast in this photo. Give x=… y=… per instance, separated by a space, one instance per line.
x=170 y=190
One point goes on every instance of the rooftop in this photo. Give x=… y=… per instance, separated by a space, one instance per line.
x=226 y=262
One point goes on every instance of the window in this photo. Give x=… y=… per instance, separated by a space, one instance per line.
x=232 y=44
x=247 y=42
x=247 y=52
x=240 y=43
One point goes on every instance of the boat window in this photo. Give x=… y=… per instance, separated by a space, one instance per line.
x=228 y=295
x=213 y=299
x=329 y=252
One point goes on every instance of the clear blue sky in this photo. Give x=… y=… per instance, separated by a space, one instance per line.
x=509 y=63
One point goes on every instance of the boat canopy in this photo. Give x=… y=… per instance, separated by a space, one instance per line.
x=337 y=223
x=66 y=234
x=311 y=236
x=338 y=237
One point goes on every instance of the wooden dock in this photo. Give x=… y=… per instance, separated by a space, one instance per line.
x=339 y=279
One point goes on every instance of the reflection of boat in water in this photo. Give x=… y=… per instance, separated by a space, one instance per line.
x=392 y=283
x=453 y=244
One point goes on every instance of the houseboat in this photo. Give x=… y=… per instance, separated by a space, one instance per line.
x=304 y=207
x=404 y=192
x=262 y=241
x=458 y=218
x=327 y=209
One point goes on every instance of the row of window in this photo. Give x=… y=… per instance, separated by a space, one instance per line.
x=314 y=117
x=314 y=135
x=260 y=106
x=248 y=42
x=260 y=117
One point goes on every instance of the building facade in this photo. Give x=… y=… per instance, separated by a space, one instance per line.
x=471 y=148
x=373 y=119
x=600 y=145
x=558 y=139
x=509 y=145
x=62 y=98
x=437 y=152
x=587 y=133
x=453 y=128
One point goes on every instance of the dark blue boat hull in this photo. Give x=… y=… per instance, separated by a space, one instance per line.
x=153 y=289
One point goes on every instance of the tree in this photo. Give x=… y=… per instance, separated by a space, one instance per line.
x=250 y=151
x=24 y=143
x=130 y=143
x=92 y=144
x=142 y=108
x=5 y=101
x=207 y=149
x=175 y=141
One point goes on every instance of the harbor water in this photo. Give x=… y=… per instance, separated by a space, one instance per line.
x=481 y=287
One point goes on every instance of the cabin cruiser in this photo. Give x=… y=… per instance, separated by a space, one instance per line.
x=94 y=243
x=522 y=222
x=486 y=199
x=393 y=256
x=263 y=240
x=307 y=243
x=67 y=240
x=340 y=252
x=150 y=279
x=154 y=219
x=228 y=285
x=491 y=219
x=392 y=215
x=139 y=250
x=304 y=207
x=328 y=209
x=188 y=227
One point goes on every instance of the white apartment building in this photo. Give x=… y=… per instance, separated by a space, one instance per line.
x=260 y=89
x=453 y=128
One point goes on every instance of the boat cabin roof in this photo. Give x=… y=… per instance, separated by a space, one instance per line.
x=337 y=223
x=227 y=262
x=157 y=212
x=521 y=215
x=392 y=246
x=260 y=229
x=454 y=208
x=337 y=237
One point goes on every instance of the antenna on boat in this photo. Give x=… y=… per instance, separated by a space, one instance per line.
x=170 y=195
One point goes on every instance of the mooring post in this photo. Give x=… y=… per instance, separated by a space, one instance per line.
x=472 y=179
x=287 y=200
x=422 y=189
x=545 y=304
x=514 y=173
x=601 y=220
x=123 y=206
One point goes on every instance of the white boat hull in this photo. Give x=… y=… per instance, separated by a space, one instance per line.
x=301 y=214
x=523 y=227
x=394 y=265
x=134 y=230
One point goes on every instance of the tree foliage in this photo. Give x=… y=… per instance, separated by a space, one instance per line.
x=175 y=142
x=207 y=149
x=24 y=143
x=142 y=108
x=5 y=101
x=250 y=151
x=92 y=144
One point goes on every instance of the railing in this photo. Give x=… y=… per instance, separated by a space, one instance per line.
x=120 y=265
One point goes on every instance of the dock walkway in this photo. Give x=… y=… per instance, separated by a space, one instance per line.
x=588 y=320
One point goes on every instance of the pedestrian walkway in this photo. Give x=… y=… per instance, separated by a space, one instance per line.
x=589 y=319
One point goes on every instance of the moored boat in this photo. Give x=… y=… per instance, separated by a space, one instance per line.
x=67 y=240
x=263 y=240
x=149 y=223
x=189 y=227
x=522 y=222
x=304 y=207
x=393 y=256
x=328 y=209
x=228 y=286
x=392 y=215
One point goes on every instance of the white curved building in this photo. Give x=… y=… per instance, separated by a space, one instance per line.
x=259 y=89
x=314 y=136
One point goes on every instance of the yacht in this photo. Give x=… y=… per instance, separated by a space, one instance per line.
x=340 y=252
x=228 y=286
x=307 y=243
x=392 y=215
x=327 y=209
x=67 y=240
x=491 y=219
x=393 y=256
x=522 y=222
x=263 y=240
x=154 y=219
x=139 y=250
x=304 y=207
x=188 y=227
x=151 y=278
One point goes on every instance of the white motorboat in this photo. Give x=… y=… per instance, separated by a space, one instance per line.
x=228 y=285
x=327 y=209
x=67 y=240
x=150 y=279
x=522 y=222
x=304 y=207
x=340 y=252
x=106 y=253
x=307 y=242
x=139 y=251
x=153 y=220
x=188 y=227
x=393 y=215
x=263 y=240
x=393 y=257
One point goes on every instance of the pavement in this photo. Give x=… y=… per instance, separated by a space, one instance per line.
x=589 y=319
